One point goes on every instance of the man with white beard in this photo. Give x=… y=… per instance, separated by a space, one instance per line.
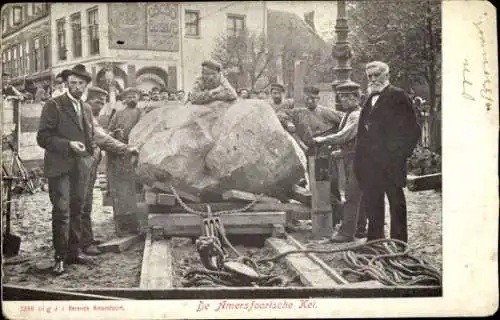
x=387 y=134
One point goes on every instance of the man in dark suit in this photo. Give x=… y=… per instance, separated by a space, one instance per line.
x=66 y=133
x=387 y=134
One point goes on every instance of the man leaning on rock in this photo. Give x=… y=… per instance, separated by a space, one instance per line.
x=212 y=85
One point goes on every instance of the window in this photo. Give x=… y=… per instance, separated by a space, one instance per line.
x=93 y=22
x=36 y=55
x=22 y=59
x=76 y=26
x=235 y=25
x=9 y=70
x=20 y=51
x=192 y=23
x=46 y=52
x=17 y=15
x=61 y=39
x=26 y=56
x=29 y=10
x=4 y=61
x=5 y=22
x=37 y=8
x=15 y=67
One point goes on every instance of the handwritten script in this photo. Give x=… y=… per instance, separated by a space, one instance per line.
x=485 y=92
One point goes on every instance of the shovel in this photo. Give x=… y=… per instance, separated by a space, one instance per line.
x=11 y=243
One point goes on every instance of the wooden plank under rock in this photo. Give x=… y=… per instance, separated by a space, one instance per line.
x=301 y=194
x=309 y=272
x=240 y=219
x=297 y=211
x=157 y=264
x=247 y=196
x=120 y=244
x=188 y=193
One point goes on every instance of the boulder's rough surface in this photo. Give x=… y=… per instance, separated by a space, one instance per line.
x=220 y=146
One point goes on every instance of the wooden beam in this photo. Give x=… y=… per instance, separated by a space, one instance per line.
x=321 y=215
x=157 y=264
x=156 y=198
x=120 y=244
x=185 y=192
x=166 y=199
x=195 y=231
x=229 y=219
x=330 y=271
x=309 y=272
x=301 y=194
x=296 y=208
x=247 y=196
x=151 y=197
x=425 y=182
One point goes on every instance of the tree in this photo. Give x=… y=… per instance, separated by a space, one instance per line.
x=247 y=55
x=406 y=35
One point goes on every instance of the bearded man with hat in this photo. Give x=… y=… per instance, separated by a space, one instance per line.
x=66 y=132
x=212 y=85
x=96 y=99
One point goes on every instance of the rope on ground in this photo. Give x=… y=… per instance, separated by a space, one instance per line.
x=385 y=260
x=211 y=246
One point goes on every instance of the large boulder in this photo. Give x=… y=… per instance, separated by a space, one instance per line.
x=219 y=146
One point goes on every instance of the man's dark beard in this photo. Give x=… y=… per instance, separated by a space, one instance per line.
x=132 y=104
x=277 y=100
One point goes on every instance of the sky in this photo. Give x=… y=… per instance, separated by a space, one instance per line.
x=325 y=13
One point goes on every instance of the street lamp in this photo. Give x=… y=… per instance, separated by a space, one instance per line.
x=342 y=53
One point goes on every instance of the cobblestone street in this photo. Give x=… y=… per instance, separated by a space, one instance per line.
x=33 y=225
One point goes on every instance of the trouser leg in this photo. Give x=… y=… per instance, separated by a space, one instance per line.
x=353 y=197
x=87 y=233
x=59 y=194
x=373 y=203
x=335 y=197
x=78 y=183
x=397 y=204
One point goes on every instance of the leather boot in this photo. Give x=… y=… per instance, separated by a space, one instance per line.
x=59 y=266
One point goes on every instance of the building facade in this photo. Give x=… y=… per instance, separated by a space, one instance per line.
x=26 y=43
x=146 y=44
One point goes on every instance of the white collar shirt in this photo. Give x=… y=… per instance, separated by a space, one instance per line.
x=77 y=105
x=377 y=95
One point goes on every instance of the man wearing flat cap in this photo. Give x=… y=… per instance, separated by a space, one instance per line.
x=96 y=99
x=345 y=139
x=243 y=93
x=212 y=85
x=120 y=168
x=313 y=119
x=66 y=133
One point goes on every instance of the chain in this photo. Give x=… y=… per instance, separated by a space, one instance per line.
x=218 y=213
